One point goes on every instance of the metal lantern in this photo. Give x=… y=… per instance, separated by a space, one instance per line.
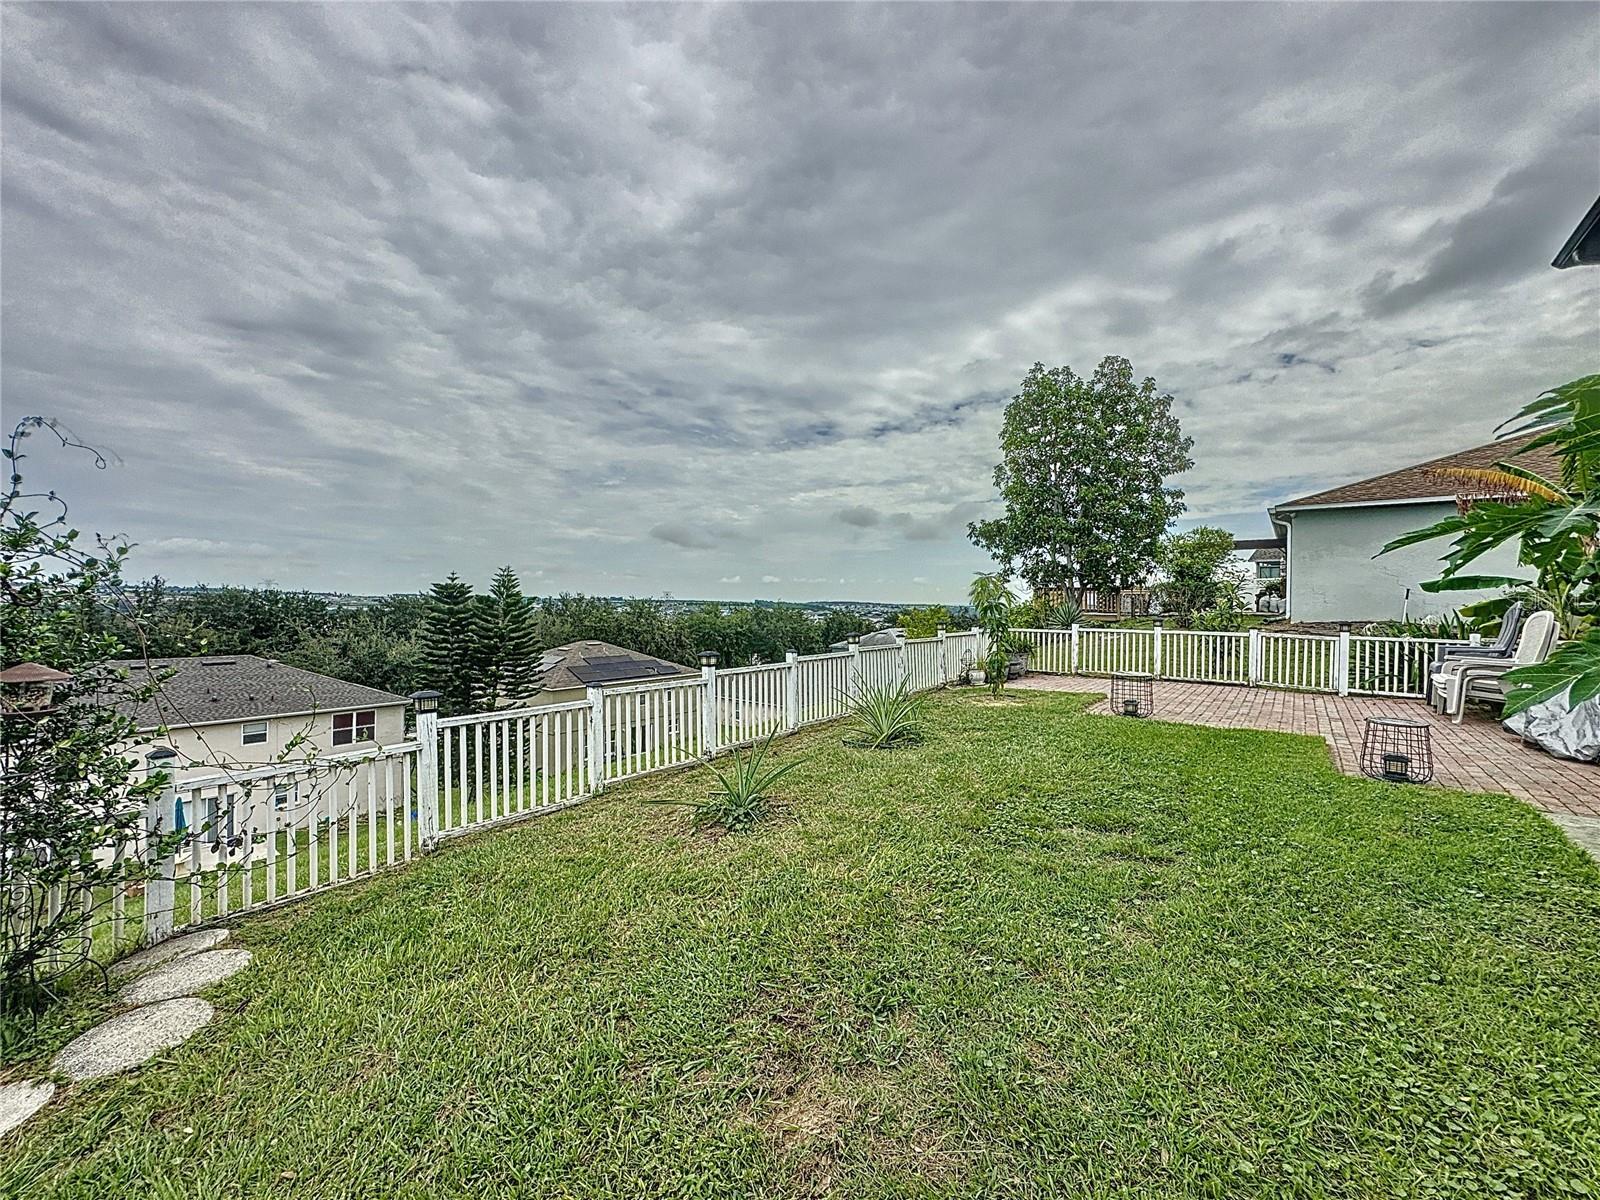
x=1133 y=695
x=427 y=700
x=708 y=658
x=1397 y=750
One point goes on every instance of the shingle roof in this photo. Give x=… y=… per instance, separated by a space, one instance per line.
x=1417 y=482
x=581 y=664
x=241 y=687
x=1273 y=554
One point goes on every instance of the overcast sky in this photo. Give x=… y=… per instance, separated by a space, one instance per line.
x=727 y=301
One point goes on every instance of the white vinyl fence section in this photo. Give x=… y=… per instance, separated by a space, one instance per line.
x=269 y=835
x=1343 y=663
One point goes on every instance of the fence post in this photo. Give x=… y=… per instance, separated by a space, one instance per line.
x=708 y=703
x=1155 y=654
x=902 y=667
x=599 y=739
x=160 y=887
x=1342 y=662
x=852 y=683
x=1072 y=651
x=426 y=704
x=1255 y=657
x=944 y=669
x=791 y=691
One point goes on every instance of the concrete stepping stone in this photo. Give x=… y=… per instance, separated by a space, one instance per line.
x=185 y=976
x=132 y=1039
x=178 y=947
x=19 y=1101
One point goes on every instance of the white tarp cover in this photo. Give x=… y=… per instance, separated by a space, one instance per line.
x=1564 y=732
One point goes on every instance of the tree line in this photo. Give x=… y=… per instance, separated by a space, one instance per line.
x=479 y=649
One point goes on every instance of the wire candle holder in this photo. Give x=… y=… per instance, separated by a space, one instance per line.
x=1133 y=695
x=1397 y=750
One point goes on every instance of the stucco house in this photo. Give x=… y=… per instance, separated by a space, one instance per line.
x=1332 y=536
x=567 y=672
x=230 y=712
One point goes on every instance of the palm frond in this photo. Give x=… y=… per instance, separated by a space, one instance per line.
x=1503 y=480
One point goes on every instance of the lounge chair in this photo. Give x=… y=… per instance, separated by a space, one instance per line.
x=1503 y=646
x=1466 y=676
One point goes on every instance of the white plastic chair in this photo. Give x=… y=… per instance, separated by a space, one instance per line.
x=1459 y=676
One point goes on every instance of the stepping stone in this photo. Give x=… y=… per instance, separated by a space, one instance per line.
x=131 y=1039
x=178 y=947
x=186 y=976
x=19 y=1101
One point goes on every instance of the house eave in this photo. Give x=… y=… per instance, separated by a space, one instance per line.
x=270 y=716
x=1294 y=508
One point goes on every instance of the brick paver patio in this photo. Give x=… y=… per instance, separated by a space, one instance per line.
x=1477 y=755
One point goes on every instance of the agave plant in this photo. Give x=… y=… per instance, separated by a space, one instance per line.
x=742 y=798
x=1063 y=614
x=886 y=716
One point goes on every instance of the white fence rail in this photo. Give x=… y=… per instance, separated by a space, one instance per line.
x=1343 y=663
x=268 y=835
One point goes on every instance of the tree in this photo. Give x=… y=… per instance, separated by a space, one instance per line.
x=447 y=645
x=69 y=787
x=1556 y=526
x=505 y=642
x=1196 y=565
x=991 y=600
x=364 y=649
x=1083 y=471
x=925 y=622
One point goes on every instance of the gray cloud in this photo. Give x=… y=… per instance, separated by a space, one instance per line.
x=695 y=299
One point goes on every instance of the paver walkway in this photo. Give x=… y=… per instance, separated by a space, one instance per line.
x=1477 y=755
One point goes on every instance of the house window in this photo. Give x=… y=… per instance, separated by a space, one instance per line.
x=355 y=727
x=1269 y=570
x=255 y=733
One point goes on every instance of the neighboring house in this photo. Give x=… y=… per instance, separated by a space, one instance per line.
x=1332 y=536
x=567 y=672
x=229 y=712
x=1266 y=569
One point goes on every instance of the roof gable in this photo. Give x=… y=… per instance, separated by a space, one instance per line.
x=1418 y=481
x=594 y=663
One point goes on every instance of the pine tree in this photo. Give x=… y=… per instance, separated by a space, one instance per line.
x=505 y=639
x=448 y=644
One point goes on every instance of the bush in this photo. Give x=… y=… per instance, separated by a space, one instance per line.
x=886 y=716
x=741 y=800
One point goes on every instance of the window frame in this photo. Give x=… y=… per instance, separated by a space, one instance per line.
x=354 y=729
x=245 y=728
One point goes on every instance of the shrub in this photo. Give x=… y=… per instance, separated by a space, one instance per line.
x=886 y=716
x=742 y=798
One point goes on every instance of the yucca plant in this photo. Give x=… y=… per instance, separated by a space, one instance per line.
x=742 y=798
x=1064 y=613
x=886 y=716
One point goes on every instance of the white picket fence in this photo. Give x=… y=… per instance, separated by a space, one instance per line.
x=1344 y=663
x=271 y=835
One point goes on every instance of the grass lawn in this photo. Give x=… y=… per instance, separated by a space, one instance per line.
x=1044 y=954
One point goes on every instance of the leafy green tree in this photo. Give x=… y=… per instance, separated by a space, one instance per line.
x=925 y=622
x=1555 y=524
x=69 y=787
x=1196 y=565
x=448 y=657
x=1083 y=471
x=505 y=643
x=992 y=601
x=363 y=649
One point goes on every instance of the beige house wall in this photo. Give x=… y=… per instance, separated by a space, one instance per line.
x=208 y=749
